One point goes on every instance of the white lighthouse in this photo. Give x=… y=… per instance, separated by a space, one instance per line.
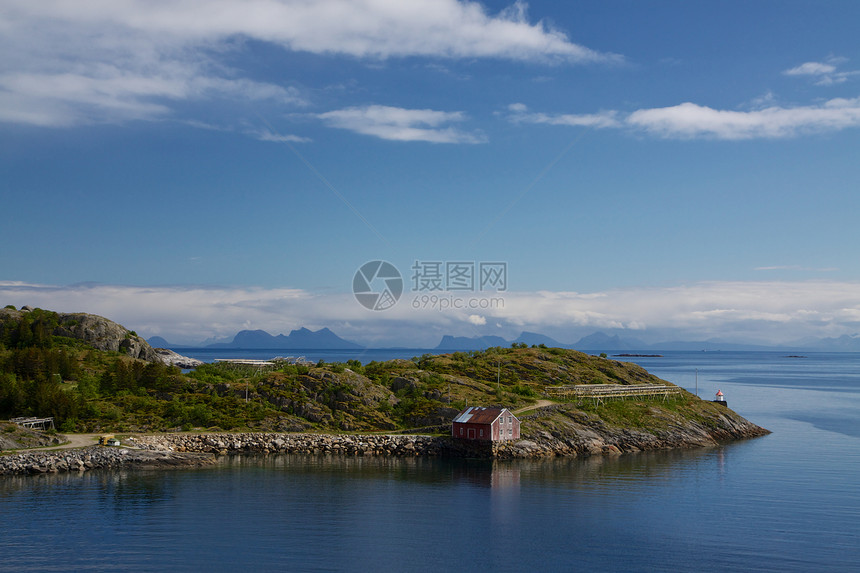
x=720 y=399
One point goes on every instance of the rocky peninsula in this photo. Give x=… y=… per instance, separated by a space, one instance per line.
x=95 y=376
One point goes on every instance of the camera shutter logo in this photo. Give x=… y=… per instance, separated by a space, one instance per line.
x=377 y=285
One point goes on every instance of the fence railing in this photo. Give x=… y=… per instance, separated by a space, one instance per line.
x=600 y=392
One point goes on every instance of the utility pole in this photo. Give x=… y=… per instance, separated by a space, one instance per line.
x=697 y=382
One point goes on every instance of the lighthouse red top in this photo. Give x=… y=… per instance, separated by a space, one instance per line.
x=719 y=392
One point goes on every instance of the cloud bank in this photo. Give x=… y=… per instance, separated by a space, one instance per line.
x=693 y=121
x=764 y=311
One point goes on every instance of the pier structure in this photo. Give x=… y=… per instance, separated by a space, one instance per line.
x=247 y=361
x=34 y=423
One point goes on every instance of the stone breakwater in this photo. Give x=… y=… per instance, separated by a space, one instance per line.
x=96 y=457
x=578 y=438
x=338 y=444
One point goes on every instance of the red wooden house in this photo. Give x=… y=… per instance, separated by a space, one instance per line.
x=486 y=424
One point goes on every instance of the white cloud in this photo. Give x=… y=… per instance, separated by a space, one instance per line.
x=811 y=69
x=399 y=124
x=768 y=311
x=108 y=93
x=66 y=63
x=772 y=311
x=689 y=120
x=520 y=114
x=266 y=135
x=823 y=74
x=362 y=28
x=796 y=268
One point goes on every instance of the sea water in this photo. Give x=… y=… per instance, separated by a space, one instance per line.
x=789 y=501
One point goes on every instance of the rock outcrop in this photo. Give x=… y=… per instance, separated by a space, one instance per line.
x=562 y=430
x=104 y=334
x=97 y=331
x=14 y=437
x=170 y=357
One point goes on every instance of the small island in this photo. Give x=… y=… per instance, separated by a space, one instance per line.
x=66 y=367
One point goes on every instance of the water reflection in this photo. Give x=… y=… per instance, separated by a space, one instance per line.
x=376 y=513
x=590 y=473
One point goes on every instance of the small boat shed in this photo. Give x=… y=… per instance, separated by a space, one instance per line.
x=486 y=424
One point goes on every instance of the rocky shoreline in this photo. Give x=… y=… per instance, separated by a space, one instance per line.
x=556 y=431
x=561 y=431
x=97 y=457
x=584 y=441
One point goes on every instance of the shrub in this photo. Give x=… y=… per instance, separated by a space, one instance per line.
x=522 y=390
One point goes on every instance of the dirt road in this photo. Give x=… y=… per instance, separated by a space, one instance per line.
x=75 y=441
x=535 y=406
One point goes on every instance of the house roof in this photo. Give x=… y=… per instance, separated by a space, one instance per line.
x=479 y=415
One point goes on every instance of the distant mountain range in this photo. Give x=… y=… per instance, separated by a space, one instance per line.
x=596 y=341
x=325 y=339
x=481 y=342
x=158 y=342
x=845 y=343
x=301 y=339
x=600 y=341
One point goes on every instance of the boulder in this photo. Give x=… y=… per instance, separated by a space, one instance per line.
x=170 y=357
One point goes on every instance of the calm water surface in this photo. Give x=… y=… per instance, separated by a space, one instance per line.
x=786 y=502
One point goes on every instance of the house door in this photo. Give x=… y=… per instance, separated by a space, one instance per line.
x=470 y=433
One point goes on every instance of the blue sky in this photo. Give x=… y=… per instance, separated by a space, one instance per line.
x=660 y=169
